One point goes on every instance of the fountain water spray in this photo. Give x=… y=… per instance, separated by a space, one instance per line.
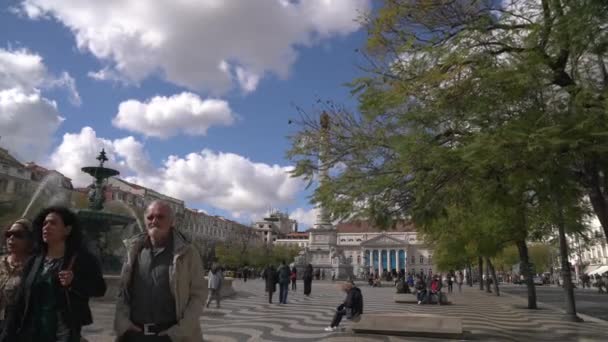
x=53 y=179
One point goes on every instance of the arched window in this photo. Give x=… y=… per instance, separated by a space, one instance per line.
x=421 y=259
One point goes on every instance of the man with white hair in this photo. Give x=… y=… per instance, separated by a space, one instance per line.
x=352 y=307
x=162 y=284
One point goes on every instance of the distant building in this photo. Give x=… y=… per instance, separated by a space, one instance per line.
x=39 y=173
x=139 y=196
x=294 y=239
x=590 y=258
x=369 y=249
x=275 y=226
x=15 y=178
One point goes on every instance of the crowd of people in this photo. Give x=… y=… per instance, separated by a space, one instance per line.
x=48 y=276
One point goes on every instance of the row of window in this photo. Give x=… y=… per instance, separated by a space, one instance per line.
x=421 y=258
x=597 y=252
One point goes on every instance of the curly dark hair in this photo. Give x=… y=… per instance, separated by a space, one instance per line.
x=74 y=240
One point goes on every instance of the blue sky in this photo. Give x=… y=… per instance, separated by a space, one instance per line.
x=211 y=84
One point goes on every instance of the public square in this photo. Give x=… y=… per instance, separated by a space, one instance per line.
x=248 y=317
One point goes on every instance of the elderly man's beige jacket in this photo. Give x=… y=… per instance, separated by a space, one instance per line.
x=187 y=283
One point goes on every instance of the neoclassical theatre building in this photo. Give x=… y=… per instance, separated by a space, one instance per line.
x=369 y=249
x=364 y=248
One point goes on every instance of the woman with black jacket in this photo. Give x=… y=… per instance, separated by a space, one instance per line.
x=52 y=304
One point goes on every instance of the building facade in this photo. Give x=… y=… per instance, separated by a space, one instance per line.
x=590 y=258
x=370 y=250
x=361 y=249
x=15 y=179
x=275 y=226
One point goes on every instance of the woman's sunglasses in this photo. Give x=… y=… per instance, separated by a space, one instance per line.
x=15 y=234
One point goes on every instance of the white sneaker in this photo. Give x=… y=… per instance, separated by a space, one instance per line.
x=330 y=329
x=419 y=302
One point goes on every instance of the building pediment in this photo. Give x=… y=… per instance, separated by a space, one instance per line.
x=383 y=240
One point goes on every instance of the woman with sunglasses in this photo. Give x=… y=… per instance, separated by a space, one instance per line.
x=52 y=304
x=18 y=239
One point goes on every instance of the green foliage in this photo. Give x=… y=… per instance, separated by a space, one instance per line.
x=254 y=256
x=483 y=125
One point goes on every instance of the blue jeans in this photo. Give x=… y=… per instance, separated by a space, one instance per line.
x=283 y=290
x=421 y=295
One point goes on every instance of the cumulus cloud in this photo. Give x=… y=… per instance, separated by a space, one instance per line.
x=186 y=41
x=27 y=123
x=164 y=117
x=306 y=217
x=26 y=71
x=225 y=181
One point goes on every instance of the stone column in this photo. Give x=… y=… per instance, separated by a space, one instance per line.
x=397 y=261
x=380 y=266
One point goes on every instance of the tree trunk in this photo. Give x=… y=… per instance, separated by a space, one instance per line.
x=480 y=262
x=565 y=264
x=494 y=278
x=470 y=275
x=527 y=273
x=488 y=279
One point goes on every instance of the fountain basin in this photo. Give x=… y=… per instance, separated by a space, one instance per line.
x=100 y=171
x=99 y=221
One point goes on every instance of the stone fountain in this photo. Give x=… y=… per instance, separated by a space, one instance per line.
x=95 y=221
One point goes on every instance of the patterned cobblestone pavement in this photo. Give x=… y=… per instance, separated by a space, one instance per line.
x=249 y=317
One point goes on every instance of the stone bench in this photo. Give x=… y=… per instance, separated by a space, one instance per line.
x=405 y=298
x=408 y=324
x=410 y=298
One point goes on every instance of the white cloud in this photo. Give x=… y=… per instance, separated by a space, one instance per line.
x=27 y=123
x=247 y=80
x=306 y=217
x=185 y=41
x=225 y=181
x=80 y=149
x=21 y=69
x=164 y=117
x=26 y=71
x=66 y=81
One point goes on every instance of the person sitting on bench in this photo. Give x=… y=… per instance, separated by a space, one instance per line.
x=420 y=290
x=435 y=290
x=352 y=307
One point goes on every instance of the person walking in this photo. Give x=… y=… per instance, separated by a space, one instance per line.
x=352 y=307
x=270 y=276
x=450 y=283
x=161 y=295
x=52 y=304
x=307 y=278
x=214 y=285
x=460 y=280
x=283 y=275
x=19 y=242
x=293 y=277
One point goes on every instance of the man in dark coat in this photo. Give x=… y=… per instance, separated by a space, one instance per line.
x=270 y=275
x=307 y=279
x=352 y=307
x=283 y=274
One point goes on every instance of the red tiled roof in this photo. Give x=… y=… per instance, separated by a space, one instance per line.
x=298 y=234
x=365 y=226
